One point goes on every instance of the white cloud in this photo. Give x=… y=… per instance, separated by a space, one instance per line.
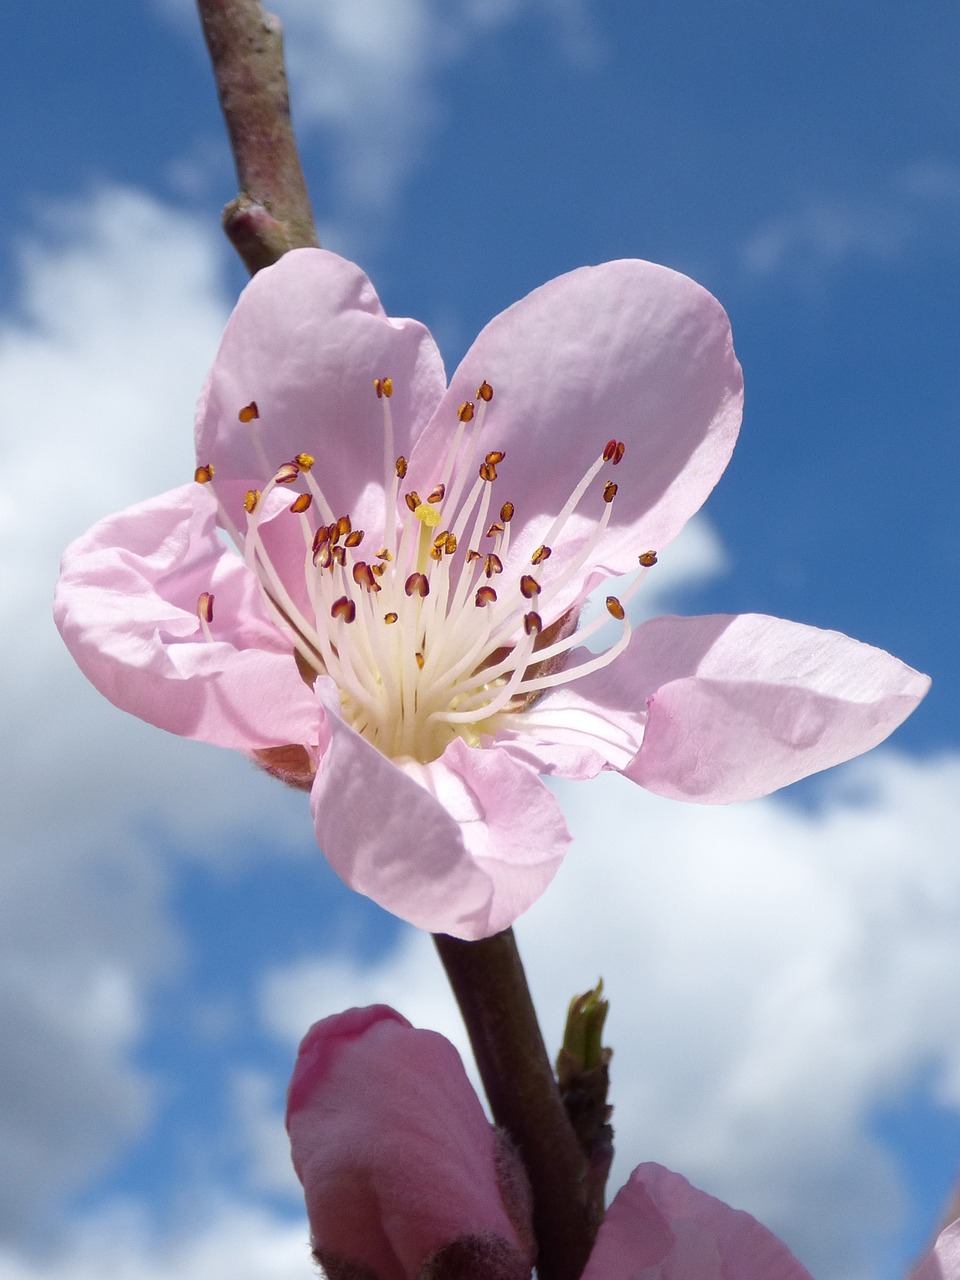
x=808 y=243
x=116 y=321
x=221 y=1240
x=774 y=975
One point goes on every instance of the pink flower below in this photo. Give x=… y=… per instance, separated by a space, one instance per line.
x=395 y=627
x=398 y=1163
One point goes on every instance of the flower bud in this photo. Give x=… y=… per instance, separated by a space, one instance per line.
x=401 y=1170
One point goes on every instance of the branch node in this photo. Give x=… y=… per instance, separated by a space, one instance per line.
x=272 y=213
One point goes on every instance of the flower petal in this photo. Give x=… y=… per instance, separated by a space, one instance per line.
x=738 y=706
x=126 y=606
x=396 y=1157
x=628 y=351
x=660 y=1225
x=943 y=1260
x=578 y=729
x=305 y=342
x=463 y=845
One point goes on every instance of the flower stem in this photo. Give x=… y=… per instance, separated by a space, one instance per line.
x=272 y=213
x=491 y=989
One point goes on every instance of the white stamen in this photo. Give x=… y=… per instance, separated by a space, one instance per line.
x=442 y=666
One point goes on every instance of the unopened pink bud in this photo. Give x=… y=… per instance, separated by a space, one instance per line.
x=400 y=1167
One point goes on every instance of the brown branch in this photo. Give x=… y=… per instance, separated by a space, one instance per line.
x=491 y=989
x=272 y=213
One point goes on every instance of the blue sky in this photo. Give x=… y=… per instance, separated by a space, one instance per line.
x=782 y=973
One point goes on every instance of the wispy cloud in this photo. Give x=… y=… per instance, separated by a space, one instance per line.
x=809 y=243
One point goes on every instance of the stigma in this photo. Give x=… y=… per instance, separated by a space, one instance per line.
x=429 y=629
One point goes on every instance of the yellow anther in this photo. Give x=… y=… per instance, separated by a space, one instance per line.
x=249 y=412
x=203 y=475
x=466 y=411
x=250 y=500
x=485 y=391
x=301 y=503
x=304 y=461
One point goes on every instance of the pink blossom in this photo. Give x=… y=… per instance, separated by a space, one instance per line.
x=665 y=1229
x=399 y=1165
x=398 y=631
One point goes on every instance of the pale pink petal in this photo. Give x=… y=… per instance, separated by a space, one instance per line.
x=284 y=546
x=660 y=1225
x=627 y=351
x=396 y=1157
x=738 y=706
x=943 y=1260
x=578 y=729
x=462 y=846
x=305 y=342
x=126 y=606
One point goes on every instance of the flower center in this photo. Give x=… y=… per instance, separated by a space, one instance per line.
x=427 y=637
